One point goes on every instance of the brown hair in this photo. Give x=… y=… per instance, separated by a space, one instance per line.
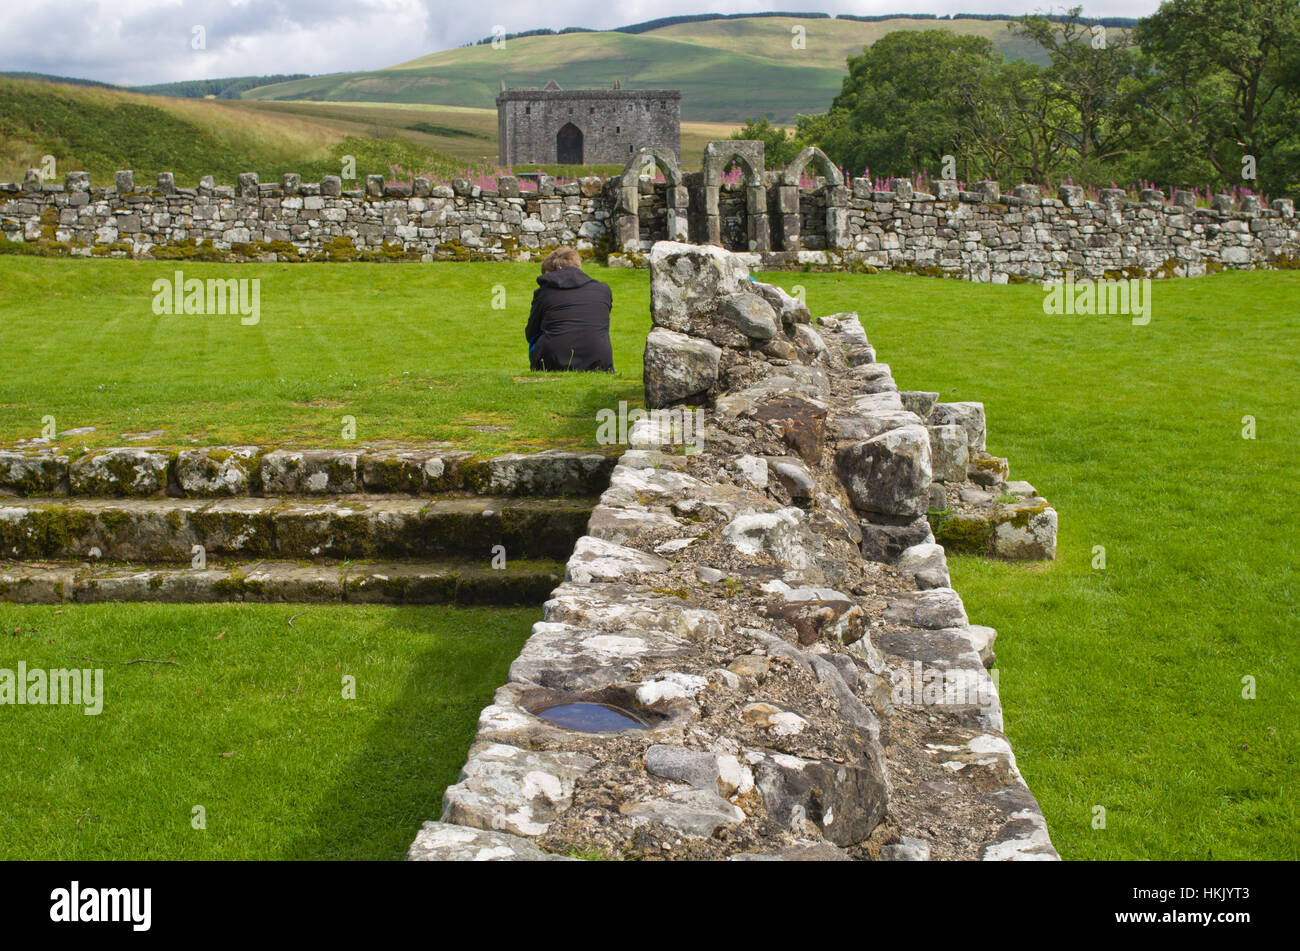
x=561 y=257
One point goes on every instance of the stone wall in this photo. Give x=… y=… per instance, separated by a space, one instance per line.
x=295 y=220
x=980 y=235
x=770 y=616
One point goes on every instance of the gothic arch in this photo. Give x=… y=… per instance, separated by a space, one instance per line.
x=815 y=156
x=664 y=161
x=748 y=152
x=787 y=210
x=628 y=214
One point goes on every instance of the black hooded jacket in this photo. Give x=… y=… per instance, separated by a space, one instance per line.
x=568 y=328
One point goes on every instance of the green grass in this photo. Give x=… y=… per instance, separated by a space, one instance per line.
x=414 y=352
x=1122 y=687
x=252 y=726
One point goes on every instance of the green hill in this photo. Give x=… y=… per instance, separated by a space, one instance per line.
x=100 y=130
x=728 y=69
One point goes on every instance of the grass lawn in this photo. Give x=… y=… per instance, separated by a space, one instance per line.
x=1123 y=686
x=413 y=353
x=252 y=726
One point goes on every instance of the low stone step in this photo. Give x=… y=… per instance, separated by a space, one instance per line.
x=173 y=530
x=522 y=582
x=259 y=471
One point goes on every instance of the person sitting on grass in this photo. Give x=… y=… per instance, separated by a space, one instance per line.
x=568 y=327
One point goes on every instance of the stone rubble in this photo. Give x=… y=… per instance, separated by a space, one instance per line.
x=774 y=608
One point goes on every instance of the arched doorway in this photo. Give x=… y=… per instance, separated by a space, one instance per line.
x=568 y=145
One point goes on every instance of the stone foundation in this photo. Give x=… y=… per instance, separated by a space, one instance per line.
x=773 y=609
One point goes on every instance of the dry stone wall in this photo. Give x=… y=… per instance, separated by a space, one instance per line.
x=771 y=613
x=979 y=235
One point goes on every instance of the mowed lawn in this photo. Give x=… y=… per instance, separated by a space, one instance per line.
x=1122 y=685
x=431 y=352
x=240 y=710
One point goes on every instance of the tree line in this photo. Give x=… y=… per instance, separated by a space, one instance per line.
x=1202 y=93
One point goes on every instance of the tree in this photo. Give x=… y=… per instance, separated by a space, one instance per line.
x=1093 y=72
x=1235 y=66
x=906 y=101
x=779 y=146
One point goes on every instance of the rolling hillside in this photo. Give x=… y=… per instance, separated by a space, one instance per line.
x=727 y=69
x=100 y=130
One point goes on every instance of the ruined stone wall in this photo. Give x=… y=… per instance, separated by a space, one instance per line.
x=980 y=236
x=769 y=613
x=294 y=220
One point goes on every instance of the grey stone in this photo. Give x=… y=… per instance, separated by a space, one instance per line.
x=887 y=474
x=678 y=368
x=920 y=402
x=934 y=609
x=842 y=802
x=119 y=472
x=693 y=812
x=751 y=314
x=926 y=564
x=217 y=471
x=506 y=789
x=310 y=472
x=949 y=453
x=686 y=278
x=447 y=842
x=29 y=474
x=909 y=849
x=970 y=416
x=885 y=540
x=594 y=559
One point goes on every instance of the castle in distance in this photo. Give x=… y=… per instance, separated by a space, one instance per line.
x=554 y=126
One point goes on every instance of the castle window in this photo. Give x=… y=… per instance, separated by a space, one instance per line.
x=592 y=111
x=618 y=129
x=528 y=110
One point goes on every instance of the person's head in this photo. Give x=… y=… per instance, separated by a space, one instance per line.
x=561 y=257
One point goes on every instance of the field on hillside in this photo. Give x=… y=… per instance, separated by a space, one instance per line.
x=415 y=353
x=99 y=131
x=1122 y=685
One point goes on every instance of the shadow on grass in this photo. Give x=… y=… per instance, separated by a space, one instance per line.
x=414 y=751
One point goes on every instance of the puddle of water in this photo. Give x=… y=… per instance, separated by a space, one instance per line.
x=592 y=718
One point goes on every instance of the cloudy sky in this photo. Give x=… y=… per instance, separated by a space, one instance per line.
x=149 y=41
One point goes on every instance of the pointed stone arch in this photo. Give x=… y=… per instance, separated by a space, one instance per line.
x=628 y=214
x=749 y=154
x=812 y=156
x=836 y=197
